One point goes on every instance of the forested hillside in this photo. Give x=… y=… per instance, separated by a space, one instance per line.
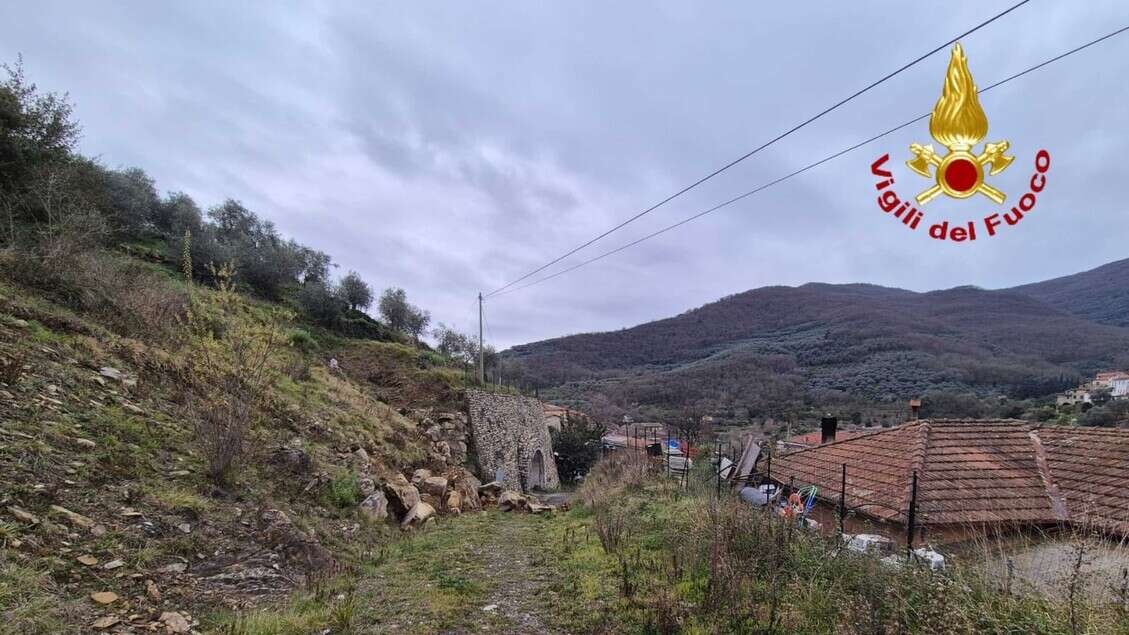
x=822 y=343
x=1100 y=294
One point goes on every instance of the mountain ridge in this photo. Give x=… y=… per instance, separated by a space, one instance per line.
x=842 y=341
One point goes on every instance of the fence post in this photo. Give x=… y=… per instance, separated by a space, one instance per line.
x=719 y=470
x=843 y=500
x=666 y=455
x=912 y=517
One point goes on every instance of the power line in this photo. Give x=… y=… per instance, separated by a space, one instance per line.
x=809 y=166
x=760 y=147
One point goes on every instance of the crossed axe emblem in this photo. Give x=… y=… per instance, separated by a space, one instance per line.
x=959 y=173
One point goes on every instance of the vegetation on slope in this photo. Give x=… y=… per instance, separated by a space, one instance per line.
x=769 y=350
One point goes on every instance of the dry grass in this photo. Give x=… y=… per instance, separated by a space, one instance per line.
x=684 y=562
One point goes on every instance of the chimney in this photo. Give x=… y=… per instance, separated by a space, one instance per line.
x=914 y=409
x=828 y=426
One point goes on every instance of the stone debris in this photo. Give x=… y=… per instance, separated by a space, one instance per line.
x=112 y=373
x=85 y=443
x=184 y=528
x=73 y=517
x=104 y=597
x=152 y=591
x=88 y=560
x=113 y=564
x=375 y=506
x=511 y=501
x=176 y=567
x=174 y=622
x=106 y=622
x=435 y=485
x=402 y=496
x=419 y=514
x=361 y=460
x=420 y=475
x=23 y=515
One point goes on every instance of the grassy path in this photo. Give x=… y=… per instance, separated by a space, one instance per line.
x=479 y=573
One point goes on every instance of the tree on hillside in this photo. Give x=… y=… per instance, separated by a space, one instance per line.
x=401 y=315
x=37 y=138
x=453 y=344
x=577 y=447
x=355 y=291
x=177 y=214
x=133 y=196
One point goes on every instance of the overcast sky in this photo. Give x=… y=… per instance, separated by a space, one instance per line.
x=451 y=147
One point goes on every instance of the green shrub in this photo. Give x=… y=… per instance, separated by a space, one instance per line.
x=345 y=490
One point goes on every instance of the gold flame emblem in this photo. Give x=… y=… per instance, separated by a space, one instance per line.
x=959 y=123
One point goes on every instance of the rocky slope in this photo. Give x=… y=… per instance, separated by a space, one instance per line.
x=109 y=522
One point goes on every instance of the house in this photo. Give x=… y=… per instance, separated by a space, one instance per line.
x=555 y=416
x=829 y=431
x=1075 y=396
x=1116 y=381
x=972 y=477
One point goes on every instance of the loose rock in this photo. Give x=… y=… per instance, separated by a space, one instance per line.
x=22 y=514
x=420 y=475
x=512 y=501
x=73 y=517
x=104 y=597
x=435 y=485
x=375 y=506
x=175 y=622
x=419 y=514
x=106 y=622
x=402 y=496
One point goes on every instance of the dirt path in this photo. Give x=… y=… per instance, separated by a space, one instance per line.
x=511 y=560
x=477 y=573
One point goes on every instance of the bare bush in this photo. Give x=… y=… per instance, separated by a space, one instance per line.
x=611 y=475
x=11 y=368
x=131 y=299
x=611 y=526
x=228 y=376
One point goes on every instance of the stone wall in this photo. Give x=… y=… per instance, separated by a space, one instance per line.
x=510 y=436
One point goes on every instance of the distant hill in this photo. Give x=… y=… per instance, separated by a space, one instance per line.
x=820 y=342
x=1100 y=294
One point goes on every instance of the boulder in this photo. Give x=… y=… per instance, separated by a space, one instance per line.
x=402 y=495
x=361 y=461
x=467 y=487
x=419 y=514
x=493 y=488
x=375 y=506
x=435 y=485
x=291 y=459
x=366 y=485
x=540 y=508
x=511 y=501
x=420 y=475
x=454 y=502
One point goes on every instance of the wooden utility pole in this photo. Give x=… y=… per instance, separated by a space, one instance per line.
x=481 y=350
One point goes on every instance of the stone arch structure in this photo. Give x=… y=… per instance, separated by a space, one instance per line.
x=535 y=476
x=511 y=439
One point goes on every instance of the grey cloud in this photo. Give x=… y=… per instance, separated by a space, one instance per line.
x=450 y=147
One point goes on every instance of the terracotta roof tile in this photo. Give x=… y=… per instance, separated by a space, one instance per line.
x=975 y=471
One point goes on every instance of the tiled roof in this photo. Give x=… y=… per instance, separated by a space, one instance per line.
x=994 y=470
x=814 y=438
x=1091 y=469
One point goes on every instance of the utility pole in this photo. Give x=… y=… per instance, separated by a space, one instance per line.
x=481 y=354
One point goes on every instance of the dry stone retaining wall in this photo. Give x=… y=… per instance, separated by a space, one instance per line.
x=510 y=436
